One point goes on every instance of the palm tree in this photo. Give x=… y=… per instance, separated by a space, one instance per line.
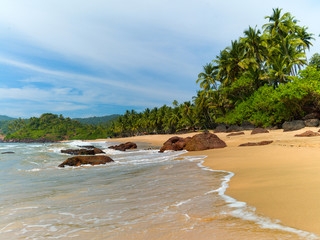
x=207 y=78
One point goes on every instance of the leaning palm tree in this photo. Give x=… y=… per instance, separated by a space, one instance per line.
x=207 y=78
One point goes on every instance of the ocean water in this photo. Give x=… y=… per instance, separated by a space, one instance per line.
x=142 y=195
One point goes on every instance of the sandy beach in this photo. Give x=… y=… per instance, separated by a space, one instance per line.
x=280 y=180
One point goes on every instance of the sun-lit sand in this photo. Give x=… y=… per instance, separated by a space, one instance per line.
x=281 y=180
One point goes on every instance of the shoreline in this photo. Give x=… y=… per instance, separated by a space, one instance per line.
x=280 y=180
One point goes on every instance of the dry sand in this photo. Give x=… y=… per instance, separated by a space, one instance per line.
x=281 y=180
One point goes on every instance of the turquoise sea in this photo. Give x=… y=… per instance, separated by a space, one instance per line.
x=142 y=195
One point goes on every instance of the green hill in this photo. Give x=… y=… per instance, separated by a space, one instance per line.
x=98 y=120
x=53 y=127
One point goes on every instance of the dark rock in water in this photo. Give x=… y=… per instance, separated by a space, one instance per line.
x=221 y=128
x=204 y=141
x=314 y=115
x=255 y=143
x=293 y=125
x=175 y=144
x=81 y=160
x=246 y=125
x=79 y=151
x=235 y=134
x=259 y=130
x=234 y=128
x=97 y=150
x=124 y=146
x=308 y=134
x=87 y=146
x=312 y=122
x=7 y=152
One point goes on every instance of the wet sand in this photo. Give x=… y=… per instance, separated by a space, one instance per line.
x=281 y=180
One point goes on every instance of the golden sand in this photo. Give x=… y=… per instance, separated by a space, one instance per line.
x=281 y=180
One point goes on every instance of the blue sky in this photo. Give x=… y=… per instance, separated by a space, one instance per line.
x=100 y=57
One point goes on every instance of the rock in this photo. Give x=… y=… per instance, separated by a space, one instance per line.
x=87 y=146
x=234 y=128
x=259 y=130
x=79 y=151
x=235 y=134
x=7 y=152
x=124 y=146
x=204 y=141
x=293 y=125
x=81 y=160
x=97 y=150
x=255 y=143
x=175 y=144
x=246 y=125
x=220 y=128
x=308 y=134
x=312 y=122
x=311 y=116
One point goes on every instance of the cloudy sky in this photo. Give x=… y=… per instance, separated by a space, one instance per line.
x=99 y=57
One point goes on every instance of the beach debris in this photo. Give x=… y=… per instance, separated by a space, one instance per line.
x=293 y=125
x=221 y=128
x=7 y=152
x=259 y=130
x=251 y=144
x=124 y=146
x=235 y=134
x=198 y=142
x=82 y=160
x=308 y=134
x=312 y=122
x=81 y=151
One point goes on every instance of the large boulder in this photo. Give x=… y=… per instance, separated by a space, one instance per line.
x=204 y=141
x=308 y=134
x=221 y=128
x=255 y=143
x=311 y=116
x=79 y=151
x=246 y=125
x=311 y=122
x=259 y=130
x=234 y=128
x=82 y=160
x=175 y=144
x=293 y=125
x=124 y=146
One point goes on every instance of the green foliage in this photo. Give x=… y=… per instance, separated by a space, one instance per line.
x=53 y=127
x=98 y=120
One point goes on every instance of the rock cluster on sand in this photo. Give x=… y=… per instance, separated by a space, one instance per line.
x=198 y=142
x=124 y=146
x=308 y=134
x=293 y=125
x=81 y=160
x=255 y=143
x=259 y=130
